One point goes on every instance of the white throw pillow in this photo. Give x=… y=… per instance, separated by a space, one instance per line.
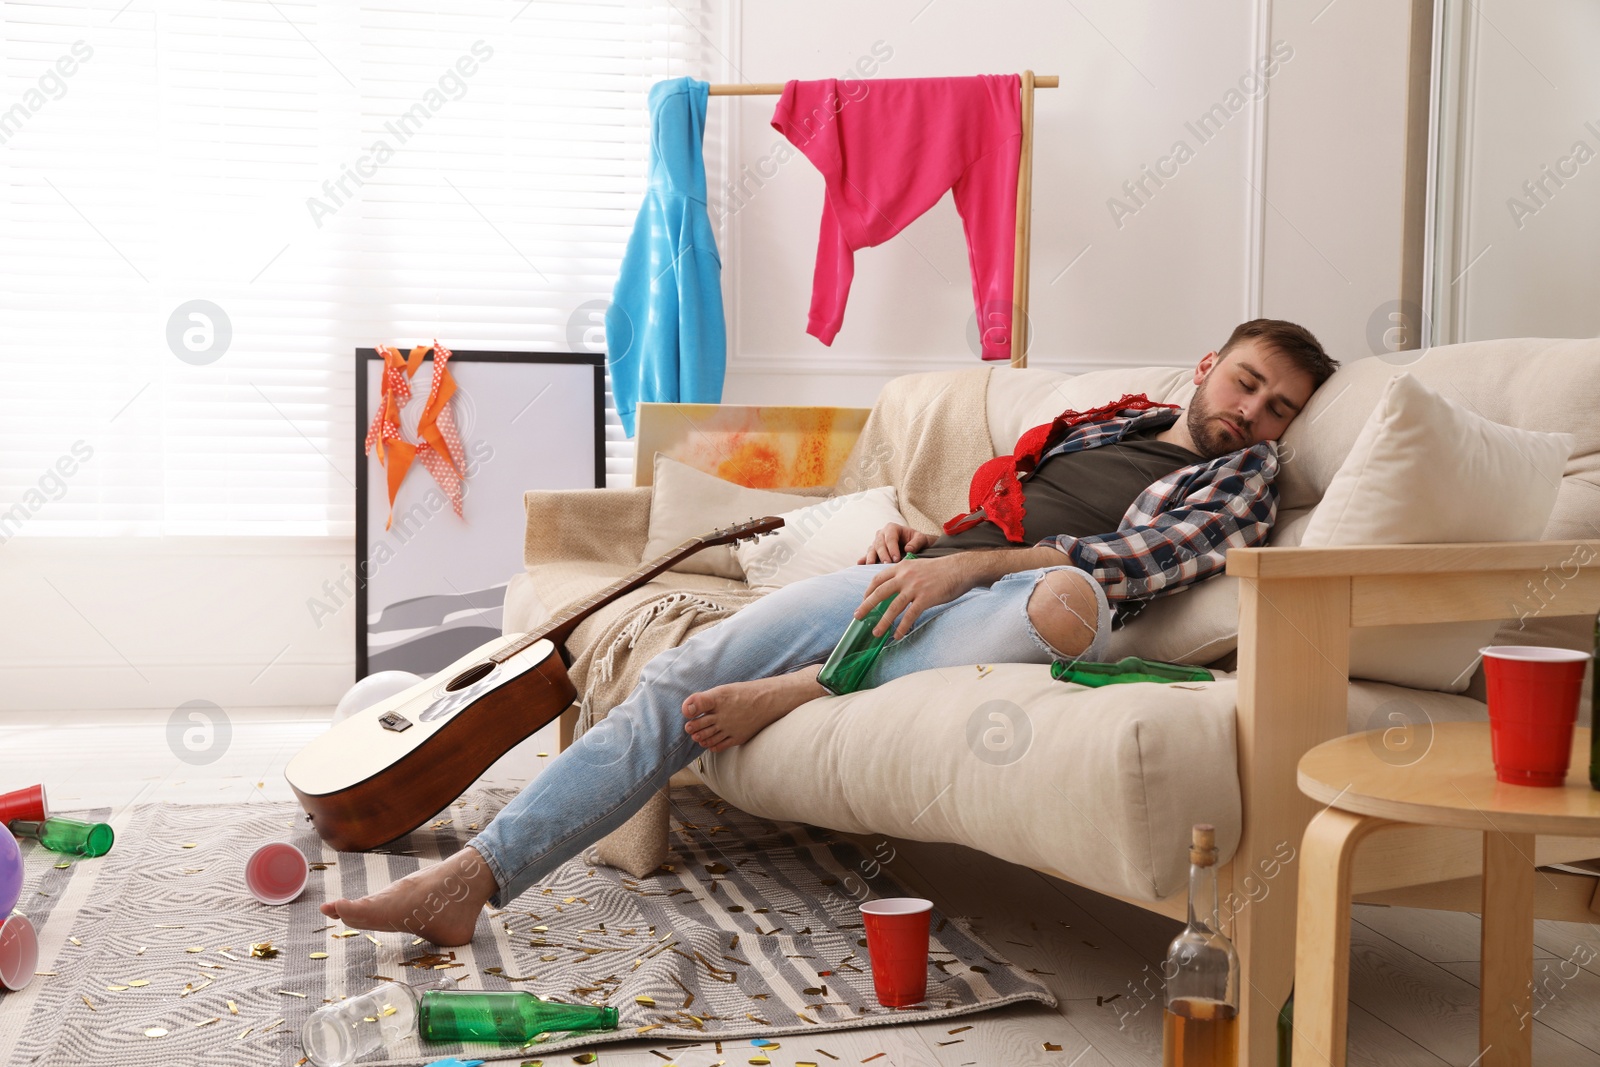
x=1426 y=469
x=686 y=503
x=825 y=537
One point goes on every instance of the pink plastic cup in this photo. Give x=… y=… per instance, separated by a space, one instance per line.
x=1533 y=706
x=276 y=872
x=897 y=948
x=19 y=952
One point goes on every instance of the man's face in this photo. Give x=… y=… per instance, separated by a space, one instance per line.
x=1248 y=396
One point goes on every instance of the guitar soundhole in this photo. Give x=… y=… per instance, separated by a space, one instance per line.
x=470 y=676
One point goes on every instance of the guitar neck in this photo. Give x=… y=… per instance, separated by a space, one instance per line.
x=557 y=630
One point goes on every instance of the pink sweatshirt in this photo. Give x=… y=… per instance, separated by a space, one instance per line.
x=888 y=149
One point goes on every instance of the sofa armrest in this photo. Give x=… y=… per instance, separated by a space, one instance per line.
x=602 y=525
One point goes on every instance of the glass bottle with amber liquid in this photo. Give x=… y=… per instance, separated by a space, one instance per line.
x=1201 y=1020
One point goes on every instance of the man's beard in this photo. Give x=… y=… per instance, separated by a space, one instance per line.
x=1210 y=436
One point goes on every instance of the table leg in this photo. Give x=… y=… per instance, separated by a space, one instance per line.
x=1322 y=936
x=1505 y=1026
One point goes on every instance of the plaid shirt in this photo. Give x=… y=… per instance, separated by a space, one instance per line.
x=1177 y=531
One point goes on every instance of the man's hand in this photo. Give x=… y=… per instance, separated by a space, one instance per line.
x=919 y=584
x=893 y=542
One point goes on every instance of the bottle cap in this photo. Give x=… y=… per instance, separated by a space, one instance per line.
x=1203 y=849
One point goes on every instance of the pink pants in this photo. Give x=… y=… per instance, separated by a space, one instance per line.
x=888 y=149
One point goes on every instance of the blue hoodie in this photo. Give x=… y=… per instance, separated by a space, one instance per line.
x=665 y=335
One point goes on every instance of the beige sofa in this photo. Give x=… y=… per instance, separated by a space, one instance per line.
x=1100 y=786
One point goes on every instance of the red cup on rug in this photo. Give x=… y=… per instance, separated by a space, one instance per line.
x=27 y=804
x=275 y=873
x=1533 y=706
x=19 y=952
x=897 y=948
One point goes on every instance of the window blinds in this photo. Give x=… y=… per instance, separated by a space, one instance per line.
x=210 y=205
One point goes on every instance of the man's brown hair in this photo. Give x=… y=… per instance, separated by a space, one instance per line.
x=1290 y=340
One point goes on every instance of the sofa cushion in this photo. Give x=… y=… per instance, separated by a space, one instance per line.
x=818 y=539
x=1100 y=784
x=687 y=502
x=1425 y=469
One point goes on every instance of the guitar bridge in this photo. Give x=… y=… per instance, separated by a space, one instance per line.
x=394 y=721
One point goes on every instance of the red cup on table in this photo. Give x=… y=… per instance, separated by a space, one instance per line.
x=1533 y=695
x=897 y=948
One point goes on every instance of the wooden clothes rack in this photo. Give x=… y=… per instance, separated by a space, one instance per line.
x=1019 y=274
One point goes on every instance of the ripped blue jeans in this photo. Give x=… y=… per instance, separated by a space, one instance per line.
x=610 y=771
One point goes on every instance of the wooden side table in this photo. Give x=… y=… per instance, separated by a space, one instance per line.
x=1451 y=785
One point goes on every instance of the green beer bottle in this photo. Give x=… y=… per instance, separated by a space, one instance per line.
x=856 y=651
x=1127 y=669
x=67 y=835
x=512 y=1017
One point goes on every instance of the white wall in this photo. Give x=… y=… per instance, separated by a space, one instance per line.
x=152 y=624
x=1160 y=286
x=1529 y=196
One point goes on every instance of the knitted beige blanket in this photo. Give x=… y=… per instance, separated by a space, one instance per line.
x=925 y=436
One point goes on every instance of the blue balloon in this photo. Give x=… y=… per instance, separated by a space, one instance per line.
x=10 y=873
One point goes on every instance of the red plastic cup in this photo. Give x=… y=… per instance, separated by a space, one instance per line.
x=19 y=952
x=897 y=948
x=276 y=872
x=25 y=804
x=1533 y=706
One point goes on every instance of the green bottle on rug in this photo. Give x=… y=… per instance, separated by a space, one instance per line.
x=67 y=835
x=512 y=1017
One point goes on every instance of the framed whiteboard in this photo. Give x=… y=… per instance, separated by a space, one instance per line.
x=431 y=587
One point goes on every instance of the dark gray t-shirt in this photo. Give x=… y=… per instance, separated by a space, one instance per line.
x=1080 y=493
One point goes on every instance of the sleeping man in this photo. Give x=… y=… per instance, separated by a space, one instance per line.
x=1128 y=502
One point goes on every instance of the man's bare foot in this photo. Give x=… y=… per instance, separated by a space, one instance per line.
x=440 y=903
x=728 y=715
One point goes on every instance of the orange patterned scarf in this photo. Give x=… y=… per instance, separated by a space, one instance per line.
x=440 y=448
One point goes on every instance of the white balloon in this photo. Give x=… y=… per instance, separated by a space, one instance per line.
x=373 y=688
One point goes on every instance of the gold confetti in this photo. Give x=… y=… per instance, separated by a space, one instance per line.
x=263 y=950
x=959 y=1030
x=1048 y=1047
x=208 y=1022
x=291 y=993
x=190 y=844
x=375 y=941
x=116 y=988
x=139 y=983
x=233 y=1009
x=352 y=933
x=869 y=1059
x=648 y=1002
x=585 y=1057
x=246 y=1032
x=89 y=1002
x=62 y=866
x=44 y=974
x=227 y=955
x=75 y=941
x=272 y=1026
x=195 y=948
x=760 y=1061
x=155 y=1031
x=319 y=955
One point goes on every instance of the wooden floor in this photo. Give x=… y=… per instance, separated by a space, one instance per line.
x=1414 y=973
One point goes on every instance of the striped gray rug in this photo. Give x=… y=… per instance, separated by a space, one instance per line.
x=149 y=954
